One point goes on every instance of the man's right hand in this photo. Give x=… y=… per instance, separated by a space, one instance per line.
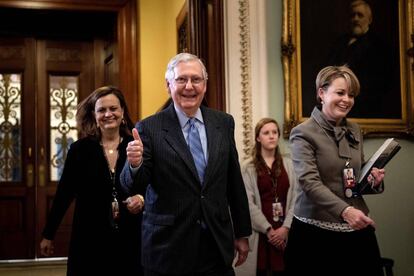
x=135 y=150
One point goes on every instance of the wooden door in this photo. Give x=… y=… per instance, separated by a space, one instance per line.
x=17 y=155
x=41 y=82
x=64 y=76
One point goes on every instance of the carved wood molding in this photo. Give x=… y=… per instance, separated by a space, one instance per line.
x=7 y=52
x=57 y=54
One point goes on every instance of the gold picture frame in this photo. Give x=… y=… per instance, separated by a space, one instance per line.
x=183 y=32
x=401 y=122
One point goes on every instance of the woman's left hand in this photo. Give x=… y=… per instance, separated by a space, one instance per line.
x=376 y=177
x=135 y=203
x=277 y=237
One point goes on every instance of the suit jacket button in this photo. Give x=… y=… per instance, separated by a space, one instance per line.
x=202 y=197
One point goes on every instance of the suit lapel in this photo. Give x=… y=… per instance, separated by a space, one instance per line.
x=214 y=140
x=174 y=137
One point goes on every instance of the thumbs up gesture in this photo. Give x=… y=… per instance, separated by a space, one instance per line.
x=135 y=150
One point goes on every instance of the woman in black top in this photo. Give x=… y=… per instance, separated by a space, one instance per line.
x=106 y=224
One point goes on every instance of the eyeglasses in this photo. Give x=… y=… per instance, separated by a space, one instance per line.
x=184 y=80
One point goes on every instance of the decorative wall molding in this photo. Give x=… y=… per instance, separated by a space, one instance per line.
x=247 y=85
x=245 y=74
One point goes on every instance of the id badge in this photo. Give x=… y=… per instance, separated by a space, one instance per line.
x=349 y=181
x=277 y=210
x=115 y=209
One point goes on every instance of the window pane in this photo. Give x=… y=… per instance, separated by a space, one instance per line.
x=10 y=127
x=63 y=102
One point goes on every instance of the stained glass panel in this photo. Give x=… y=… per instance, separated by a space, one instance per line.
x=10 y=127
x=63 y=102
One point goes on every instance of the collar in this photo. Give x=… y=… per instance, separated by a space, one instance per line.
x=183 y=118
x=344 y=135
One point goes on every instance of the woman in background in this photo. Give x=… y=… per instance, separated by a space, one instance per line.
x=106 y=224
x=270 y=183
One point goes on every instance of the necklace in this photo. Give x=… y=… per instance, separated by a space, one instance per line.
x=111 y=150
x=111 y=154
x=112 y=175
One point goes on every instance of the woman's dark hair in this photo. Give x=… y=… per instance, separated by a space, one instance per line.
x=258 y=160
x=85 y=115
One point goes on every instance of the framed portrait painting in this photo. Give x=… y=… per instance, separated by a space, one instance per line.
x=372 y=37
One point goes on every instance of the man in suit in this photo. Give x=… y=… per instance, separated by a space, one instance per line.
x=196 y=209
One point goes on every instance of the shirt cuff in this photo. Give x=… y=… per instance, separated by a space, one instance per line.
x=134 y=170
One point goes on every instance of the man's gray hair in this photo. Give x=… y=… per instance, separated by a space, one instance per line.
x=356 y=3
x=183 y=57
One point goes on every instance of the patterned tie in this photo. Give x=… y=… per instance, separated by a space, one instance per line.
x=194 y=143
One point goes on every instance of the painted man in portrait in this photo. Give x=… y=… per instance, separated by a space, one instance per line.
x=369 y=56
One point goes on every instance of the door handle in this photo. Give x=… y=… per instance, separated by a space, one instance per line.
x=29 y=170
x=29 y=175
x=42 y=169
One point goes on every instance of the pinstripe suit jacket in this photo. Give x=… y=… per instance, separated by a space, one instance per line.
x=175 y=201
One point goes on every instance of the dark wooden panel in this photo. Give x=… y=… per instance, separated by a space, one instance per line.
x=13 y=219
x=12 y=214
x=207 y=41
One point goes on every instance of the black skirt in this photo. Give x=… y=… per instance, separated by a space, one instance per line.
x=315 y=251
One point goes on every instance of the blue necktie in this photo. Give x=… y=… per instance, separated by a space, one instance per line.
x=194 y=143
